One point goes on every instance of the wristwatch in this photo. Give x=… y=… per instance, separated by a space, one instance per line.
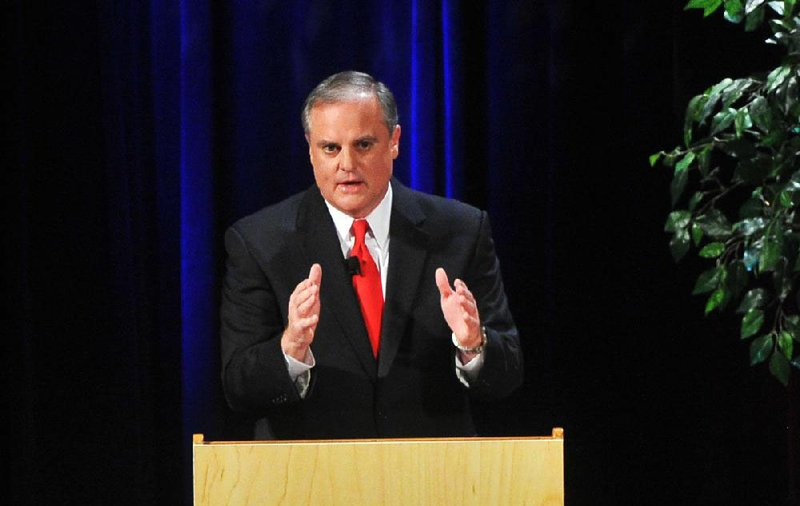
x=476 y=350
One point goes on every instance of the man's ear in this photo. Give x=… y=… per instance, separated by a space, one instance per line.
x=395 y=141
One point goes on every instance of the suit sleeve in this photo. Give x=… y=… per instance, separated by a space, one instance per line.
x=255 y=377
x=502 y=371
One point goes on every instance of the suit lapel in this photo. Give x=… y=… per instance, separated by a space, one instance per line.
x=407 y=254
x=339 y=301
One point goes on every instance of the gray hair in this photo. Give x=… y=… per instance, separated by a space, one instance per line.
x=350 y=85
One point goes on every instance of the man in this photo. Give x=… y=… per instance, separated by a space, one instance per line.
x=338 y=316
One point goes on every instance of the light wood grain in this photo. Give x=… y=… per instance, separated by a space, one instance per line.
x=474 y=471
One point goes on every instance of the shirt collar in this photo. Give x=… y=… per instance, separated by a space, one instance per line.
x=379 y=220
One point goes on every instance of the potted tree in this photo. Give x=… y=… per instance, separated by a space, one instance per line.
x=736 y=190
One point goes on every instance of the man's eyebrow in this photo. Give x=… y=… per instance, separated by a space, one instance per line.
x=325 y=142
x=370 y=138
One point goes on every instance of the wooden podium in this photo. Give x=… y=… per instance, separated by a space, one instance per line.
x=457 y=471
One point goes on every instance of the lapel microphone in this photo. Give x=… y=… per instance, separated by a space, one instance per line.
x=352 y=265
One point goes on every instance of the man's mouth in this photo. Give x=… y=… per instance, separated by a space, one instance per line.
x=350 y=185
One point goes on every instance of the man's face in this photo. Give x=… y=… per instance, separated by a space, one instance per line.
x=352 y=154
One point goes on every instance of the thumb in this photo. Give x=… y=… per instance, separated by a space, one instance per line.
x=315 y=274
x=442 y=282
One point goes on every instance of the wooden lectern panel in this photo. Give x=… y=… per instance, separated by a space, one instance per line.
x=457 y=471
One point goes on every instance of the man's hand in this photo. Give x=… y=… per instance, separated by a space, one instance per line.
x=460 y=312
x=303 y=315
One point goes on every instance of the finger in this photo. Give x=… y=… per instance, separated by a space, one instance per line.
x=308 y=323
x=442 y=282
x=304 y=326
x=462 y=287
x=468 y=305
x=299 y=290
x=302 y=294
x=306 y=307
x=315 y=274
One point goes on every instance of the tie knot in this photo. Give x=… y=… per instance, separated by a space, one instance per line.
x=360 y=229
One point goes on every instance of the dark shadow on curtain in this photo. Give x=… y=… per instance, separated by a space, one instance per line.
x=137 y=132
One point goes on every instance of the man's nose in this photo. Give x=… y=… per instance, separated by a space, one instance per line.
x=346 y=159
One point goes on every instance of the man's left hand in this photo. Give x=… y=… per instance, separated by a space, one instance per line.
x=460 y=310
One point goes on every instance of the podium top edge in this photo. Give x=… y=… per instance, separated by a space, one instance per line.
x=557 y=434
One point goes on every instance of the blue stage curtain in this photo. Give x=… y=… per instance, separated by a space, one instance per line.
x=136 y=132
x=141 y=131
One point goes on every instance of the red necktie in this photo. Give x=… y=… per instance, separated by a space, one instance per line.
x=368 y=286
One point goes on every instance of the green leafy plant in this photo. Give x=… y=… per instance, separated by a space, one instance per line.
x=736 y=189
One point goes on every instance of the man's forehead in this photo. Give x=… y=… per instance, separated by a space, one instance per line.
x=358 y=104
x=352 y=118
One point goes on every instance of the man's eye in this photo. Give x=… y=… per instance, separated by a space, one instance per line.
x=330 y=148
x=364 y=145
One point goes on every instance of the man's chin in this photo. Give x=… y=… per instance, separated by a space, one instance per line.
x=353 y=207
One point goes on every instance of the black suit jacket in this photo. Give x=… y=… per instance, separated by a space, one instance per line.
x=412 y=389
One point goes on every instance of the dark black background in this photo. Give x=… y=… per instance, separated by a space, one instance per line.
x=658 y=402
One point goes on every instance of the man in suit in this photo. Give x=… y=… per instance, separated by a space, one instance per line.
x=308 y=353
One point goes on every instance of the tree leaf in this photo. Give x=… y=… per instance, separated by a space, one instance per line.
x=771 y=250
x=774 y=138
x=760 y=349
x=715 y=224
x=753 y=299
x=679 y=245
x=684 y=163
x=752 y=5
x=751 y=323
x=696 y=199
x=785 y=199
x=677 y=220
x=781 y=6
x=708 y=6
x=712 y=250
x=696 y=4
x=707 y=281
x=697 y=234
x=678 y=184
x=703 y=160
x=750 y=257
x=792 y=324
x=777 y=76
x=717 y=299
x=722 y=120
x=694 y=111
x=761 y=114
x=654 y=158
x=779 y=367
x=751 y=208
x=736 y=278
x=750 y=226
x=786 y=343
x=754 y=19
x=781 y=279
x=734 y=10
x=742 y=122
x=735 y=92
x=713 y=94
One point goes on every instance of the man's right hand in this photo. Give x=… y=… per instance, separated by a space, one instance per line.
x=303 y=315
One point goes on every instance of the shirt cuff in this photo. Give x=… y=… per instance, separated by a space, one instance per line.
x=468 y=372
x=300 y=372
